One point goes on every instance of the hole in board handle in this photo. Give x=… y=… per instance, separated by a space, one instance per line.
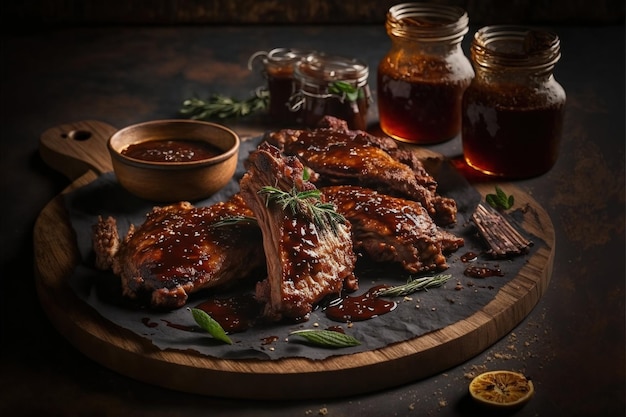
x=78 y=135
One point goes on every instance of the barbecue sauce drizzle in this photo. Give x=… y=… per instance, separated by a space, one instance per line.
x=361 y=307
x=475 y=271
x=235 y=314
x=238 y=313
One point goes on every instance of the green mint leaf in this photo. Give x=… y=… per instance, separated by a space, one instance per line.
x=511 y=201
x=326 y=338
x=352 y=96
x=210 y=325
x=492 y=200
x=500 y=200
x=341 y=87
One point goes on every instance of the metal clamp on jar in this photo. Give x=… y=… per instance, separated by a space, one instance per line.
x=332 y=85
x=278 y=70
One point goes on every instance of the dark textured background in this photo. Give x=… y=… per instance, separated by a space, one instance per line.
x=29 y=13
x=572 y=343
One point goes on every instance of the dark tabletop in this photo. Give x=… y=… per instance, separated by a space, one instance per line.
x=571 y=344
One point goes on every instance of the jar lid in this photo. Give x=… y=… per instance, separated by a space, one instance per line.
x=321 y=68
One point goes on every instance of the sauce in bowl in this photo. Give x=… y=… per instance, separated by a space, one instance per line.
x=172 y=150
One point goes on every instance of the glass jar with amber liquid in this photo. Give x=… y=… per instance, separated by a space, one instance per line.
x=278 y=70
x=332 y=85
x=513 y=111
x=421 y=79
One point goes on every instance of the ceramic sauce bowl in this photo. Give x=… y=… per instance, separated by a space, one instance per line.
x=174 y=160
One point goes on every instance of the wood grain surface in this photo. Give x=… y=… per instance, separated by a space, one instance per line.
x=56 y=255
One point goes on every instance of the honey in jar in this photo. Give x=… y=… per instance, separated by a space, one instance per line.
x=514 y=108
x=278 y=70
x=421 y=79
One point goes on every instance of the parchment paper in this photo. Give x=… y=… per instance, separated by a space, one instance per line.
x=420 y=313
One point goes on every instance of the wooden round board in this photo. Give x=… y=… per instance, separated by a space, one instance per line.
x=56 y=255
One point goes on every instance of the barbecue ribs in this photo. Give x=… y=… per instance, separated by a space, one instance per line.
x=307 y=259
x=391 y=229
x=353 y=157
x=180 y=249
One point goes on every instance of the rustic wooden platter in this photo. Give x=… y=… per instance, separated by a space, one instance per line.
x=78 y=150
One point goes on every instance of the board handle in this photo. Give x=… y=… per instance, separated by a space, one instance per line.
x=75 y=148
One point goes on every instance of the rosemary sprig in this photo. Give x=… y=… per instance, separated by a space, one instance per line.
x=209 y=324
x=230 y=221
x=219 y=106
x=326 y=338
x=306 y=202
x=500 y=200
x=414 y=285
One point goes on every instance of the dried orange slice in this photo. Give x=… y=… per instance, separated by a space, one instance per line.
x=501 y=388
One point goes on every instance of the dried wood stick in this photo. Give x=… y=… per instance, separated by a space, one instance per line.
x=501 y=236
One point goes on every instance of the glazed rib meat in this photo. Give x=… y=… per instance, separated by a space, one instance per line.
x=392 y=229
x=351 y=157
x=306 y=260
x=179 y=250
